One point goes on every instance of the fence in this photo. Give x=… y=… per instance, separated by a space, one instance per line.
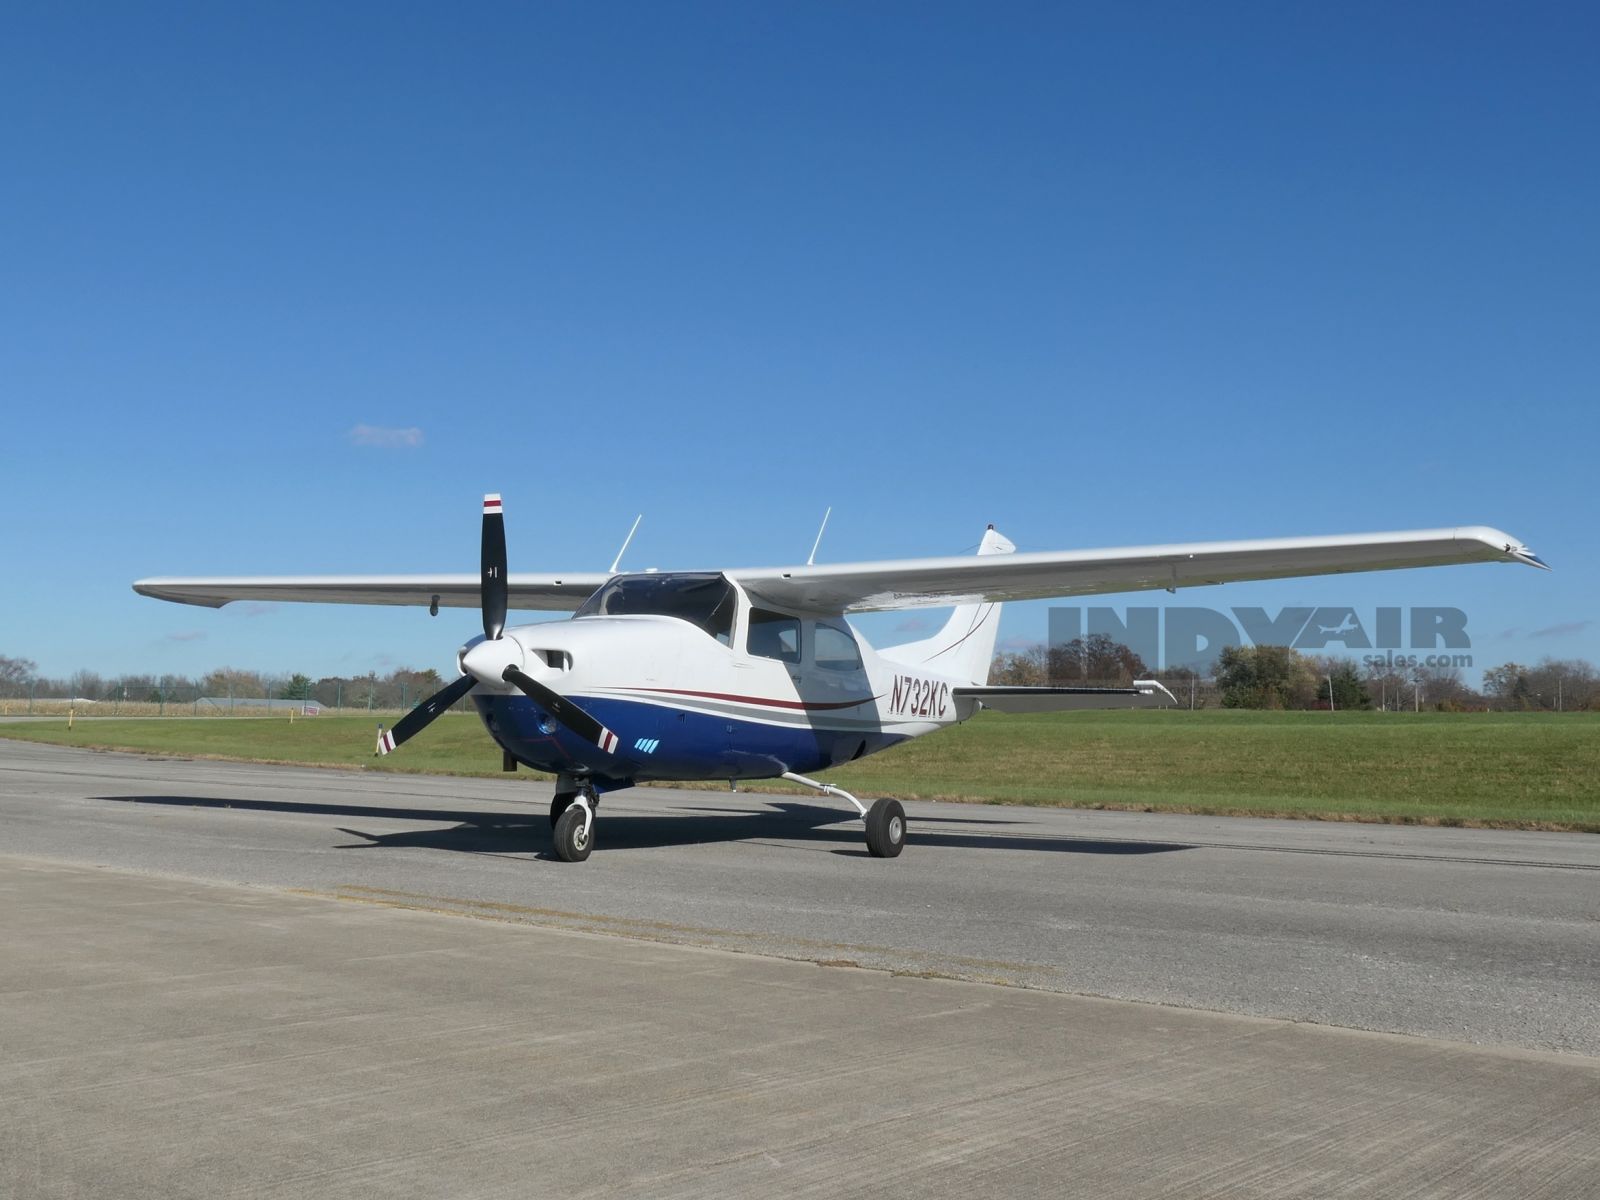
x=187 y=699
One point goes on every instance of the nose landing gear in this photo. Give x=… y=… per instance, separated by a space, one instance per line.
x=572 y=818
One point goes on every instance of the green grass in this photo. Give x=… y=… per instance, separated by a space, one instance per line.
x=1527 y=770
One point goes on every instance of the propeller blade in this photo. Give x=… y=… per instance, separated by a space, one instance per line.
x=422 y=715
x=492 y=562
x=563 y=710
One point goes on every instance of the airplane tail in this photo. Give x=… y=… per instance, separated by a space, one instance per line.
x=964 y=648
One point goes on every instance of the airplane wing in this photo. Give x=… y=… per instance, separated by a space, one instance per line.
x=1145 y=693
x=916 y=582
x=932 y=582
x=554 y=593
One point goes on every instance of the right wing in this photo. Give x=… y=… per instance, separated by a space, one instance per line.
x=553 y=593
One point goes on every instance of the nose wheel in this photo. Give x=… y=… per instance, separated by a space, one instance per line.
x=572 y=824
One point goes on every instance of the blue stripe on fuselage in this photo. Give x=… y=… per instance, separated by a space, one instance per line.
x=690 y=745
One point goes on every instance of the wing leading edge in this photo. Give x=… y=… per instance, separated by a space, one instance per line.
x=914 y=583
x=554 y=593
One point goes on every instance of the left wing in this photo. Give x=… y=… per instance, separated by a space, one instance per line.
x=554 y=593
x=932 y=582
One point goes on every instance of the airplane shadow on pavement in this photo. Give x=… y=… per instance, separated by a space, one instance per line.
x=528 y=832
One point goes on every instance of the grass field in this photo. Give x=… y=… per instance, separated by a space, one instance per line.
x=1534 y=770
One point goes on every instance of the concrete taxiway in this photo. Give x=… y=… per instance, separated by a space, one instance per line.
x=337 y=1027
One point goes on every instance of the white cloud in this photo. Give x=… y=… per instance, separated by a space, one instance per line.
x=1561 y=630
x=386 y=438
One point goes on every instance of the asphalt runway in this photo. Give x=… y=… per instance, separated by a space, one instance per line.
x=1473 y=935
x=224 y=979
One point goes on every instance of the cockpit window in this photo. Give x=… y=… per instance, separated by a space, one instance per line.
x=774 y=635
x=834 y=647
x=706 y=601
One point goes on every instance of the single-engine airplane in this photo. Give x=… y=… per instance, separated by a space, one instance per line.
x=756 y=674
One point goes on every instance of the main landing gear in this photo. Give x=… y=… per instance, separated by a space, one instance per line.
x=572 y=816
x=885 y=820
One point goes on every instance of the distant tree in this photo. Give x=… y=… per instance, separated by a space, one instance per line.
x=333 y=690
x=1020 y=668
x=1571 y=685
x=296 y=687
x=1507 y=686
x=1385 y=685
x=17 y=671
x=367 y=691
x=231 y=681
x=1265 y=677
x=1096 y=659
x=1342 y=684
x=1443 y=687
x=86 y=685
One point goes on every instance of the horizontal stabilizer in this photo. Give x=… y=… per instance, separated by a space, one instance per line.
x=1145 y=693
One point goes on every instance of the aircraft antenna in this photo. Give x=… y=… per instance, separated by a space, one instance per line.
x=617 y=561
x=812 y=561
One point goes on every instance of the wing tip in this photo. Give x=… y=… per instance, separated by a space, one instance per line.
x=1506 y=547
x=163 y=589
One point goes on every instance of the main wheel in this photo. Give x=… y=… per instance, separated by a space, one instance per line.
x=886 y=828
x=572 y=841
x=559 y=805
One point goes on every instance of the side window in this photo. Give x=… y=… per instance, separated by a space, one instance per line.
x=774 y=635
x=836 y=649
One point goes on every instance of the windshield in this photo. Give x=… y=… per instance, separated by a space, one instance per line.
x=706 y=601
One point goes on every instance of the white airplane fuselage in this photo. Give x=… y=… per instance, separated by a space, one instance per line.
x=685 y=704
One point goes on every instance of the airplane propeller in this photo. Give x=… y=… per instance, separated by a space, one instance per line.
x=420 y=717
x=492 y=568
x=493 y=599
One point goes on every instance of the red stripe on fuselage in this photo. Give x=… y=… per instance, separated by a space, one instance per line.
x=808 y=705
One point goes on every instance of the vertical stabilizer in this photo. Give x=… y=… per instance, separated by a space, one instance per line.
x=964 y=648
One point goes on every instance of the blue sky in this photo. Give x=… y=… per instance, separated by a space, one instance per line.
x=1103 y=275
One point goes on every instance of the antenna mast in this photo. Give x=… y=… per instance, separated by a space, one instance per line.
x=617 y=561
x=812 y=561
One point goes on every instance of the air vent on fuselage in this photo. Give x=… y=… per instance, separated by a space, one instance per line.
x=556 y=660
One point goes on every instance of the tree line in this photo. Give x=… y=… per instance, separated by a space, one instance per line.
x=1282 y=677
x=399 y=688
x=1242 y=677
